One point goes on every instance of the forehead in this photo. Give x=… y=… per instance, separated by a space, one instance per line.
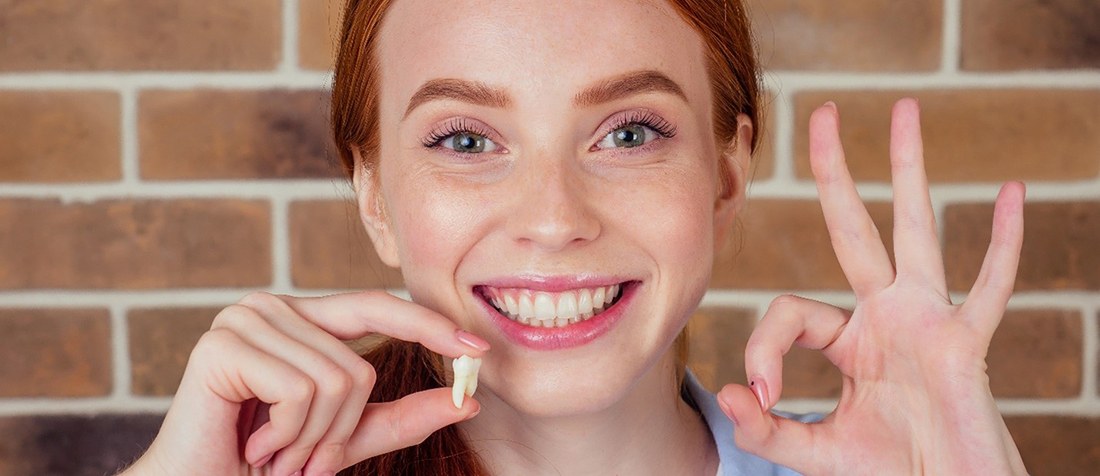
x=534 y=48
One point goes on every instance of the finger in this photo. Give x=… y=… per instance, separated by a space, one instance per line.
x=354 y=315
x=331 y=382
x=789 y=320
x=405 y=422
x=855 y=238
x=242 y=372
x=916 y=244
x=758 y=431
x=989 y=296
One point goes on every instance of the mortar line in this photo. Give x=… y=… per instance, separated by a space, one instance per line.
x=129 y=136
x=952 y=32
x=120 y=353
x=290 y=37
x=280 y=246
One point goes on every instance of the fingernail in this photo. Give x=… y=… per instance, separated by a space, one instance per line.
x=760 y=388
x=830 y=104
x=725 y=406
x=296 y=473
x=263 y=461
x=471 y=340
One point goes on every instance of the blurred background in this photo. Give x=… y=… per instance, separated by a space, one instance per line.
x=160 y=159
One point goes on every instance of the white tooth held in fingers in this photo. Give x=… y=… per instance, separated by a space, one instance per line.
x=466 y=369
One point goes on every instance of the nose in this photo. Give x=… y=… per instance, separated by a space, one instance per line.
x=552 y=210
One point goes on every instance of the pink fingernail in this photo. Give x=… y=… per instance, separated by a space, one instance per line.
x=471 y=340
x=263 y=461
x=725 y=406
x=760 y=388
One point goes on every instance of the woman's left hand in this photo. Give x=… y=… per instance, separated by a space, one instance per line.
x=916 y=397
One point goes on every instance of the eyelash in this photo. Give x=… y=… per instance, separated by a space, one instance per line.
x=456 y=126
x=662 y=127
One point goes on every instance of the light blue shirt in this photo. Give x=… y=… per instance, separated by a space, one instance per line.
x=733 y=461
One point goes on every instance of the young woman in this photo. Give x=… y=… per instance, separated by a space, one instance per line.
x=553 y=179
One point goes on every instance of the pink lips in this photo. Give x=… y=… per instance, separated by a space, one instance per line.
x=554 y=338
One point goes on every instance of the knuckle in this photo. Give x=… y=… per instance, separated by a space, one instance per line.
x=234 y=315
x=299 y=388
x=363 y=374
x=334 y=382
x=783 y=302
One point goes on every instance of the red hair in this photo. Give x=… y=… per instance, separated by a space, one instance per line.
x=404 y=368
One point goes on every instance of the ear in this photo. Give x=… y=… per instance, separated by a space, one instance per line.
x=732 y=179
x=373 y=213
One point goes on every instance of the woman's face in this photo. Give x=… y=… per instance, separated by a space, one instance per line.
x=535 y=155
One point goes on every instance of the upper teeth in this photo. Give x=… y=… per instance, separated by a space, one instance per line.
x=552 y=309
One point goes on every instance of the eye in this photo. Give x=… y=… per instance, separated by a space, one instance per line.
x=631 y=135
x=468 y=143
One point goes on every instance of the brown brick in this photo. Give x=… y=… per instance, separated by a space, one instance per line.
x=854 y=35
x=318 y=32
x=762 y=166
x=59 y=136
x=134 y=244
x=73 y=445
x=330 y=249
x=1037 y=353
x=73 y=35
x=1060 y=245
x=215 y=134
x=55 y=353
x=969 y=135
x=1000 y=35
x=1057 y=445
x=716 y=354
x=716 y=345
x=160 y=344
x=783 y=244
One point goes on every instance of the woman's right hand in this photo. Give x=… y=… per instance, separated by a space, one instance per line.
x=271 y=389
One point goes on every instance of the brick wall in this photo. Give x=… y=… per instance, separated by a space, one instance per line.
x=159 y=159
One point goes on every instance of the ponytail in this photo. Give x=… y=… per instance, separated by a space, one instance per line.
x=404 y=368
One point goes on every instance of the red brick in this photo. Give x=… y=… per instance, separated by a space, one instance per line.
x=318 y=32
x=134 y=244
x=329 y=249
x=716 y=345
x=1037 y=354
x=1059 y=249
x=59 y=136
x=55 y=353
x=232 y=134
x=160 y=344
x=969 y=135
x=73 y=445
x=1057 y=445
x=853 y=35
x=1002 y=35
x=75 y=35
x=783 y=244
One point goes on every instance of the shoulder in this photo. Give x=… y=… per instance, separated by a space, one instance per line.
x=733 y=461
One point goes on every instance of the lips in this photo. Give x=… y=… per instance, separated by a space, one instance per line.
x=558 y=314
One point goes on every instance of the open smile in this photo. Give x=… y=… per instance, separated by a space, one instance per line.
x=546 y=319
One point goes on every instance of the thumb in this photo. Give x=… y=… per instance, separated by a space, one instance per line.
x=408 y=421
x=776 y=439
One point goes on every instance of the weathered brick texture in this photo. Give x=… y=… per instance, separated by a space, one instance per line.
x=784 y=244
x=59 y=136
x=318 y=32
x=329 y=248
x=861 y=35
x=1007 y=35
x=80 y=35
x=970 y=135
x=234 y=134
x=160 y=343
x=1060 y=245
x=55 y=353
x=134 y=244
x=73 y=445
x=1057 y=445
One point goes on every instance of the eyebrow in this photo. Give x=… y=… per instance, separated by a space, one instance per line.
x=481 y=94
x=628 y=84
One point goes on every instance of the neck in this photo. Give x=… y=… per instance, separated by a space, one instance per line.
x=651 y=420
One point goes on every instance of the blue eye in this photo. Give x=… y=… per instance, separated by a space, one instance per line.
x=468 y=143
x=631 y=135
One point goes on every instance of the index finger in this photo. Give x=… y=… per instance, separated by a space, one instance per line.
x=355 y=315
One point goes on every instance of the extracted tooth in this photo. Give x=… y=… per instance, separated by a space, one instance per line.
x=465 y=368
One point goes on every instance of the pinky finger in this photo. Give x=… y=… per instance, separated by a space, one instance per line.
x=993 y=287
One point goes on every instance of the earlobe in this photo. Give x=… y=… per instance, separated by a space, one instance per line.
x=372 y=212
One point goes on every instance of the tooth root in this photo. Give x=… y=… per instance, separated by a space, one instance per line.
x=465 y=368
